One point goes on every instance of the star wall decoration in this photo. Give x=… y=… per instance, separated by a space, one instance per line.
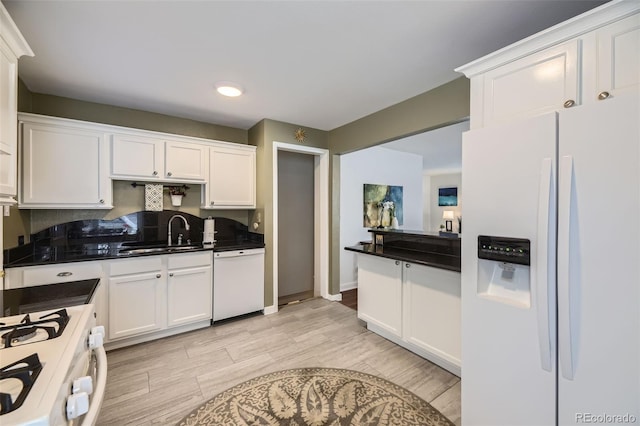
x=300 y=135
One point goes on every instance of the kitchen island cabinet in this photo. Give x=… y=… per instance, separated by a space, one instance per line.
x=380 y=293
x=409 y=290
x=415 y=306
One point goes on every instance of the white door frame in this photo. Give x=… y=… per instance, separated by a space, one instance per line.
x=320 y=219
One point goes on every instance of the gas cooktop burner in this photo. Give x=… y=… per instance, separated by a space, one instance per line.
x=20 y=334
x=27 y=331
x=16 y=381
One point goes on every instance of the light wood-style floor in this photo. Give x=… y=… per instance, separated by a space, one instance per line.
x=160 y=382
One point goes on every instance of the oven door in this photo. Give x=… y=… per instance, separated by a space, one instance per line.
x=98 y=372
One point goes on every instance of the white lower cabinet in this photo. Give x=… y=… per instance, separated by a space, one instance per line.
x=415 y=306
x=157 y=296
x=432 y=311
x=137 y=289
x=380 y=293
x=189 y=289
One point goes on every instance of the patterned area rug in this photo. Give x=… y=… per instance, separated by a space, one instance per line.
x=316 y=396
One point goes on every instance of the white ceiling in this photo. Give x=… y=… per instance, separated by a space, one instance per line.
x=320 y=64
x=441 y=149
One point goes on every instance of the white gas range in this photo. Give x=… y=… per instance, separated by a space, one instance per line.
x=52 y=367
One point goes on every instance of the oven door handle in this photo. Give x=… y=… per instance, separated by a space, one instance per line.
x=101 y=384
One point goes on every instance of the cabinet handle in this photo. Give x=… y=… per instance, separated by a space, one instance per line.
x=171 y=274
x=65 y=274
x=603 y=95
x=168 y=173
x=101 y=201
x=407 y=265
x=397 y=262
x=158 y=276
x=155 y=173
x=212 y=203
x=569 y=103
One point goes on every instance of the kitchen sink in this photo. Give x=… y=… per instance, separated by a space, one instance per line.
x=158 y=249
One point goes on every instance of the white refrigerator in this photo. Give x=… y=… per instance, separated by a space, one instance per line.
x=557 y=341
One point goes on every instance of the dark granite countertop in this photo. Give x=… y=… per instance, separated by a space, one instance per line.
x=25 y=300
x=106 y=251
x=435 y=260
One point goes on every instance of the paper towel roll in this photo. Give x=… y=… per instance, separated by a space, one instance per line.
x=208 y=236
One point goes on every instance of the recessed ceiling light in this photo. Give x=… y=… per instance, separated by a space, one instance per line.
x=228 y=88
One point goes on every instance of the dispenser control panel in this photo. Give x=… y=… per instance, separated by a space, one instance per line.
x=504 y=249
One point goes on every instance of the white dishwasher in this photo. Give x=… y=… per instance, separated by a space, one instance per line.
x=238 y=282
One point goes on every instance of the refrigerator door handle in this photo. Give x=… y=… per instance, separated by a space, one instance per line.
x=565 y=180
x=543 y=280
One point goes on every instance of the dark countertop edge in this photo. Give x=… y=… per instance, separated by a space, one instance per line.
x=443 y=235
x=397 y=255
x=247 y=246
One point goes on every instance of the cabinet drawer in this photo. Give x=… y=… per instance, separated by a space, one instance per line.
x=135 y=266
x=63 y=272
x=189 y=260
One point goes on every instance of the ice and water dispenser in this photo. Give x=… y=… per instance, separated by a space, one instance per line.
x=504 y=269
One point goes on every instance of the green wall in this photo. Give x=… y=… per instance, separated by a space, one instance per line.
x=262 y=135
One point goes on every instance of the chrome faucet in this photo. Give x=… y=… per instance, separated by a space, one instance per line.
x=186 y=226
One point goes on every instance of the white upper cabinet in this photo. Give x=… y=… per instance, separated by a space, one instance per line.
x=539 y=83
x=149 y=158
x=232 y=178
x=63 y=167
x=12 y=47
x=590 y=58
x=70 y=164
x=618 y=58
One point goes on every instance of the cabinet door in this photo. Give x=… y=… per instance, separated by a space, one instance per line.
x=618 y=57
x=189 y=295
x=135 y=304
x=185 y=161
x=232 y=178
x=380 y=293
x=432 y=311
x=8 y=126
x=533 y=85
x=137 y=157
x=64 y=167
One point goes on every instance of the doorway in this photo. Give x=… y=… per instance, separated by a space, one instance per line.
x=320 y=220
x=296 y=227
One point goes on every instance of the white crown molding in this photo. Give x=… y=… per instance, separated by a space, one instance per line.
x=12 y=36
x=572 y=28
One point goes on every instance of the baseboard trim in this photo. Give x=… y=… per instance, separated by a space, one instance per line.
x=348 y=286
x=334 y=297
x=268 y=310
